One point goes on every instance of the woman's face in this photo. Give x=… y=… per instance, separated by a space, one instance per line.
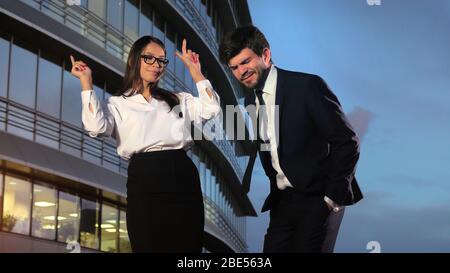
x=152 y=72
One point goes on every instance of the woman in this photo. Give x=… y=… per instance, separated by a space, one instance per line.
x=151 y=127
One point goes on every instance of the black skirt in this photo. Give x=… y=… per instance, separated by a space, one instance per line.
x=165 y=204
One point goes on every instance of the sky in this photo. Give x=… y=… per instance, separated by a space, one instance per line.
x=389 y=65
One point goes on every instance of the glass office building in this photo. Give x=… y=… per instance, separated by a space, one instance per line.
x=58 y=186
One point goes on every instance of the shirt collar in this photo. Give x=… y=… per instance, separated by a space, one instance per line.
x=136 y=97
x=271 y=81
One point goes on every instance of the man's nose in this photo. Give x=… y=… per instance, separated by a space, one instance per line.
x=242 y=70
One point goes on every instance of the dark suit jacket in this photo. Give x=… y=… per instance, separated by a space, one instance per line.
x=317 y=147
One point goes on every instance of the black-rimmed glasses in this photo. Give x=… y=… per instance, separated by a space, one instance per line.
x=149 y=59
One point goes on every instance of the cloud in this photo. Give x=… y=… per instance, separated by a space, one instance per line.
x=360 y=119
x=397 y=229
x=416 y=182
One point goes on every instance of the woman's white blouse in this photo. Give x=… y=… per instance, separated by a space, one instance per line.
x=139 y=125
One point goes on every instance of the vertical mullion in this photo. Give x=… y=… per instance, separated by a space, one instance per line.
x=31 y=207
x=8 y=80
x=36 y=95
x=57 y=215
x=2 y=199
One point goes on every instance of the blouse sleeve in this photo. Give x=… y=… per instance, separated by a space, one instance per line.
x=203 y=107
x=100 y=122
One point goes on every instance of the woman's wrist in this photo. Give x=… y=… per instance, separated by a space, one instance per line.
x=86 y=83
x=197 y=76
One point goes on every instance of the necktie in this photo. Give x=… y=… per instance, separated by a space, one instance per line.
x=262 y=121
x=248 y=173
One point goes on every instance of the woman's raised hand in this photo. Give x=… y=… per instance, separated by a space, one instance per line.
x=192 y=61
x=82 y=72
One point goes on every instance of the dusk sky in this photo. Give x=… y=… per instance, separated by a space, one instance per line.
x=389 y=65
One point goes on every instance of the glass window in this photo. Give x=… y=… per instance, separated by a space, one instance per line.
x=20 y=122
x=197 y=4
x=179 y=66
x=54 y=9
x=1 y=194
x=98 y=7
x=145 y=20
x=124 y=240
x=32 y=3
x=203 y=9
x=16 y=206
x=208 y=179
x=47 y=132
x=131 y=19
x=202 y=171
x=89 y=224
x=71 y=99
x=23 y=66
x=214 y=185
x=115 y=14
x=43 y=224
x=158 y=30
x=170 y=48
x=109 y=228
x=69 y=210
x=4 y=59
x=71 y=141
x=49 y=85
x=75 y=19
x=114 y=45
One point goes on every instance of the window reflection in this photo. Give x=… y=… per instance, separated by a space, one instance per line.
x=131 y=19
x=145 y=20
x=124 y=240
x=89 y=224
x=179 y=66
x=54 y=9
x=49 y=85
x=16 y=206
x=32 y=3
x=115 y=13
x=69 y=211
x=4 y=59
x=158 y=30
x=71 y=100
x=61 y=216
x=109 y=228
x=23 y=66
x=43 y=224
x=98 y=7
x=1 y=195
x=170 y=48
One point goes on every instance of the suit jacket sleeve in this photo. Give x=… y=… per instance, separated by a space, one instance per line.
x=332 y=124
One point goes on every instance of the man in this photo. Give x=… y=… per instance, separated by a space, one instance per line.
x=311 y=159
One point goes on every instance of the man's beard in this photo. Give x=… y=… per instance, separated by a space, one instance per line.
x=262 y=79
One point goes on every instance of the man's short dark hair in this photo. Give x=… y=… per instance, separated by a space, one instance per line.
x=235 y=41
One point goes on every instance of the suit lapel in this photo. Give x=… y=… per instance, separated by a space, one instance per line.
x=279 y=100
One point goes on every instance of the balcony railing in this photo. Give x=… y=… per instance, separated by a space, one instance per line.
x=58 y=134
x=215 y=214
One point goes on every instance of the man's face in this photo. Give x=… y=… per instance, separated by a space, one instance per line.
x=249 y=68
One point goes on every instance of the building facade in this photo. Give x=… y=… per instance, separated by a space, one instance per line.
x=60 y=188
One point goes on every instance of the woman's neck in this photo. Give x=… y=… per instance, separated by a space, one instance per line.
x=147 y=92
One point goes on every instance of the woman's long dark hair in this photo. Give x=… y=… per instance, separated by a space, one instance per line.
x=132 y=79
